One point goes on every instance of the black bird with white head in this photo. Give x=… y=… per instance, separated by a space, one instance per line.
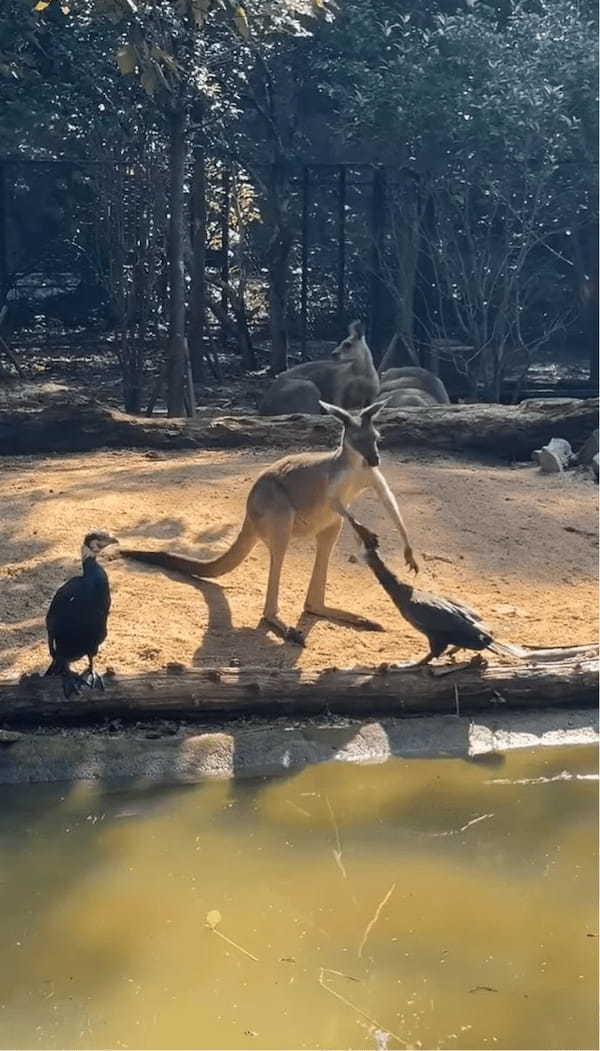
x=443 y=621
x=77 y=617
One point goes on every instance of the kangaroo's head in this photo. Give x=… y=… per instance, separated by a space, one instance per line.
x=354 y=348
x=360 y=435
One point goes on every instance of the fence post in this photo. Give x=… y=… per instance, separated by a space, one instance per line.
x=377 y=289
x=3 y=234
x=225 y=242
x=305 y=250
x=341 y=282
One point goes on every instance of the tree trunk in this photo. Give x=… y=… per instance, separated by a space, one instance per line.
x=240 y=327
x=279 y=263
x=426 y=323
x=278 y=275
x=177 y=351
x=198 y=304
x=378 y=294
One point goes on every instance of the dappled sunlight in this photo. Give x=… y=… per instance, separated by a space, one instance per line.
x=518 y=547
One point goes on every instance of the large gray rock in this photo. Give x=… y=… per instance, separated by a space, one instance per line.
x=554 y=457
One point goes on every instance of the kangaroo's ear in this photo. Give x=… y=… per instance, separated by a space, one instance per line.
x=371 y=411
x=356 y=329
x=335 y=410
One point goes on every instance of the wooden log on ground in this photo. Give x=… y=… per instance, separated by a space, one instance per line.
x=58 y=420
x=227 y=692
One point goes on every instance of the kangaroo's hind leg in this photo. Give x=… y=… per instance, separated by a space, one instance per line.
x=276 y=532
x=315 y=597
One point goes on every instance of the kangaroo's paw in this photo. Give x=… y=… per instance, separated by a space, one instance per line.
x=283 y=631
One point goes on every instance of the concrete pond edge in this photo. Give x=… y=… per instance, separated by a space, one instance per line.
x=184 y=754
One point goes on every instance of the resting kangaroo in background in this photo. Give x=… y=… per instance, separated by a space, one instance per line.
x=349 y=380
x=408 y=397
x=299 y=496
x=413 y=380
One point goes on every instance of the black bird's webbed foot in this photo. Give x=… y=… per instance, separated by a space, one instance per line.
x=478 y=661
x=94 y=680
x=72 y=683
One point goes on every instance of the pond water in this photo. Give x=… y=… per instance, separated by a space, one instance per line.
x=431 y=903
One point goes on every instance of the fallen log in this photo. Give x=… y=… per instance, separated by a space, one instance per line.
x=61 y=421
x=205 y=692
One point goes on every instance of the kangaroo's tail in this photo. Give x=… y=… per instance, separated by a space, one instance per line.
x=193 y=567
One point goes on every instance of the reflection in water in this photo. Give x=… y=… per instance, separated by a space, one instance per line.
x=421 y=903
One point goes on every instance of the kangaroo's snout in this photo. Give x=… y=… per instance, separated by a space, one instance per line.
x=373 y=459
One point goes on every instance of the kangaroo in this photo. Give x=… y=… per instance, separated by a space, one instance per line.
x=349 y=380
x=408 y=397
x=415 y=378
x=300 y=495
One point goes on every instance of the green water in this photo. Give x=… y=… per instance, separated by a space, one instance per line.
x=420 y=903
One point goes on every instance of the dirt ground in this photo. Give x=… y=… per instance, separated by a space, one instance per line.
x=519 y=547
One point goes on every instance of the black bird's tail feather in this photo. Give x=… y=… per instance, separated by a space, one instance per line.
x=506 y=650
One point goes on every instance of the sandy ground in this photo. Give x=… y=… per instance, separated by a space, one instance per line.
x=518 y=546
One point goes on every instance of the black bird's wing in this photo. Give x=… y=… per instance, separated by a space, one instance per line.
x=472 y=614
x=65 y=606
x=442 y=618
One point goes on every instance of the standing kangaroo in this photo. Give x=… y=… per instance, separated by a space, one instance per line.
x=349 y=379
x=300 y=495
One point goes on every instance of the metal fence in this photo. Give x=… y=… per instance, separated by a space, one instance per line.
x=70 y=230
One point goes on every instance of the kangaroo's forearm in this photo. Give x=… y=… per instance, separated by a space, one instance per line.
x=390 y=503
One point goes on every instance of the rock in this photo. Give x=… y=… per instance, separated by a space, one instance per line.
x=549 y=462
x=589 y=449
x=554 y=457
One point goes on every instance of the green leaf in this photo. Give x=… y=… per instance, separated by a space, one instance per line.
x=241 y=22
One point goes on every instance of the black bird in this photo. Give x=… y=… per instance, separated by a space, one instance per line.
x=444 y=622
x=76 y=619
